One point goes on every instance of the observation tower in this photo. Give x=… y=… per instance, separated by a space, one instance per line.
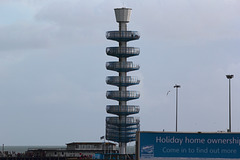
x=122 y=128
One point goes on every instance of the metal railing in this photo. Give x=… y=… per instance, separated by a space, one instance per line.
x=115 y=134
x=122 y=81
x=122 y=66
x=130 y=132
x=124 y=128
x=124 y=139
x=123 y=95
x=123 y=110
x=123 y=122
x=122 y=51
x=120 y=138
x=123 y=35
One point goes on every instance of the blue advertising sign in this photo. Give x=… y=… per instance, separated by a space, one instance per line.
x=193 y=145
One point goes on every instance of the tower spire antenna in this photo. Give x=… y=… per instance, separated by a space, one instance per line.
x=123 y=4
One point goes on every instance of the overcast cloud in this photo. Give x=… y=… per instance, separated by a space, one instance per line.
x=52 y=66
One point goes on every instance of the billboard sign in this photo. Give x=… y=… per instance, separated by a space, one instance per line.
x=154 y=145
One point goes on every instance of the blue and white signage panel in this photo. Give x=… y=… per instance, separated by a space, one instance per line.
x=189 y=145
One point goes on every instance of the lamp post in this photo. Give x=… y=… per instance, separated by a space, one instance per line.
x=229 y=77
x=177 y=86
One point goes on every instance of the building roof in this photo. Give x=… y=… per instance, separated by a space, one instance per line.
x=74 y=143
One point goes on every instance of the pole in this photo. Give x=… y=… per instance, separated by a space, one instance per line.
x=229 y=77
x=176 y=108
x=177 y=86
x=230 y=117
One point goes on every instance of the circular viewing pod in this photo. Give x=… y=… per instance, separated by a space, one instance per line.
x=122 y=66
x=123 y=95
x=123 y=36
x=122 y=51
x=123 y=122
x=125 y=128
x=122 y=81
x=123 y=109
x=120 y=138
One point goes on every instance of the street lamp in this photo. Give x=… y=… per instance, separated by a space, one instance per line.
x=177 y=86
x=229 y=77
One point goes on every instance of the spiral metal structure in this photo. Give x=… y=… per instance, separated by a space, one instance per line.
x=122 y=128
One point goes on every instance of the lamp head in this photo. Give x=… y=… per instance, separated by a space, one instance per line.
x=229 y=76
x=177 y=86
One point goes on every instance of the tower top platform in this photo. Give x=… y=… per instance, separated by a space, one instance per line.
x=122 y=14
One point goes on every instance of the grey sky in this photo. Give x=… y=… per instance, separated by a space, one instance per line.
x=52 y=66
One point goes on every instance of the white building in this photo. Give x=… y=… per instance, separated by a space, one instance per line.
x=76 y=149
